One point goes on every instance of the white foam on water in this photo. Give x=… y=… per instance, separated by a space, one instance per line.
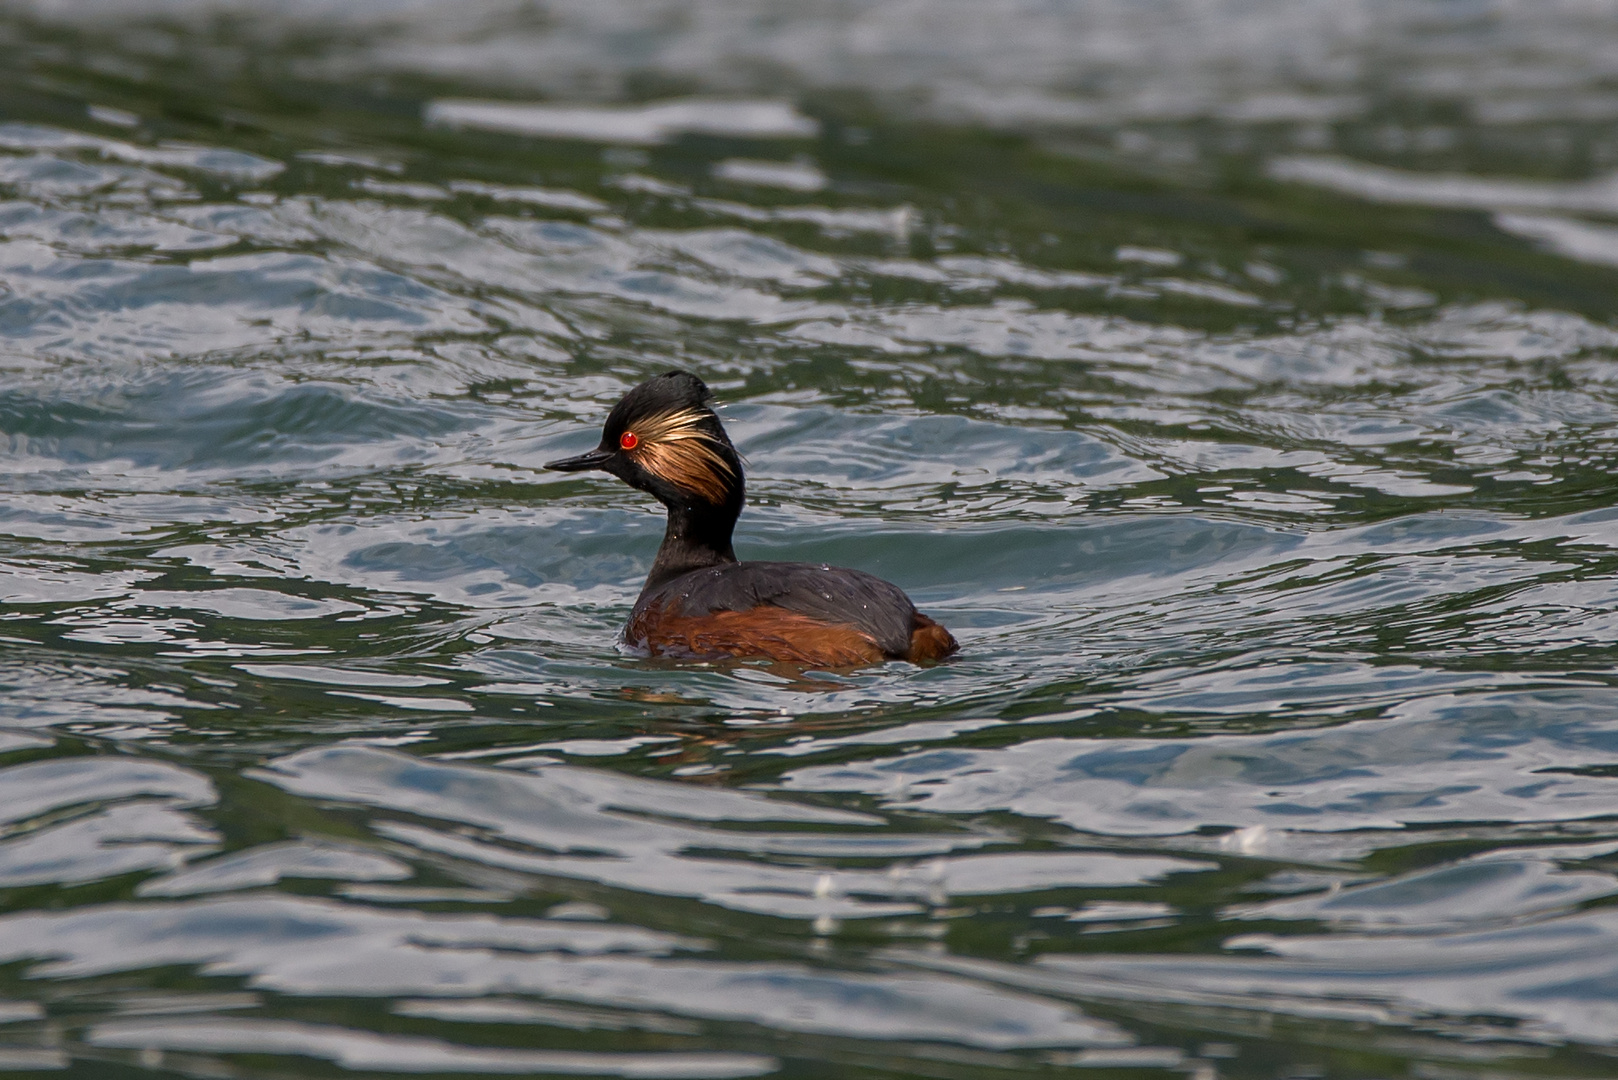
x=645 y=125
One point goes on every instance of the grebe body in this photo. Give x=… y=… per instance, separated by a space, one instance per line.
x=699 y=601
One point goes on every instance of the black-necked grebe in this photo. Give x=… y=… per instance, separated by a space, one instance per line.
x=699 y=601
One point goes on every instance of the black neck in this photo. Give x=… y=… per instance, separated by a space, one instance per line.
x=696 y=537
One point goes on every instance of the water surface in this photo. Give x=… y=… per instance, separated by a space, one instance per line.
x=1235 y=379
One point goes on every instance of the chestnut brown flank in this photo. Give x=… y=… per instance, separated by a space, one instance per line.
x=770 y=632
x=929 y=642
x=777 y=634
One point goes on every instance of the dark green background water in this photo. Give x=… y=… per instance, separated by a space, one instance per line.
x=1236 y=378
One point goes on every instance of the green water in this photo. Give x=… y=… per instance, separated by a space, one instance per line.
x=1235 y=379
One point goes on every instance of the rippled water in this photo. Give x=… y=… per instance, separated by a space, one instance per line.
x=1236 y=378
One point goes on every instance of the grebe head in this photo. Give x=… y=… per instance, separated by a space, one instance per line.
x=664 y=439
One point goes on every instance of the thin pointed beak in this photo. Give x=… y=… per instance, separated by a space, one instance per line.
x=595 y=459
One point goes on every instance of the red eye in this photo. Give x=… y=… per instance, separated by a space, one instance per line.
x=628 y=440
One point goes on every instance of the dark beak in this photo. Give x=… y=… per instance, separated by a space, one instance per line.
x=595 y=459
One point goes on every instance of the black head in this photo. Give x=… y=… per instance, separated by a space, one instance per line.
x=665 y=440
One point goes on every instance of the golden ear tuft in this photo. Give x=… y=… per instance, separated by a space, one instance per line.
x=676 y=447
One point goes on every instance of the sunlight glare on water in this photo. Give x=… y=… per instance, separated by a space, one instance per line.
x=1235 y=378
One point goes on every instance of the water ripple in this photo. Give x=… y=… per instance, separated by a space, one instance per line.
x=1251 y=430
